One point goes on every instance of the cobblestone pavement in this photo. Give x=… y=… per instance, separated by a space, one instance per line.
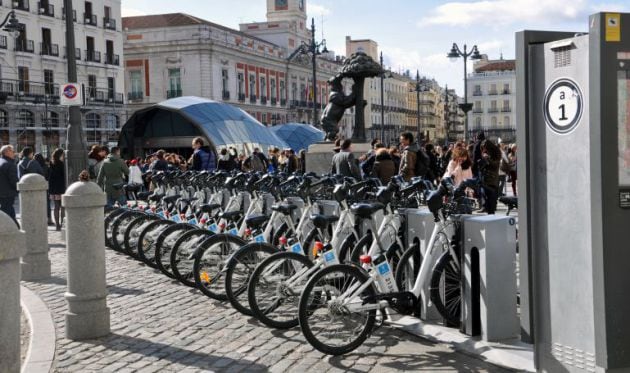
x=161 y=326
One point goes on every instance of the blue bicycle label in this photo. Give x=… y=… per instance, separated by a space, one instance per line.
x=213 y=228
x=233 y=232
x=329 y=256
x=192 y=221
x=383 y=268
x=260 y=238
x=176 y=219
x=297 y=248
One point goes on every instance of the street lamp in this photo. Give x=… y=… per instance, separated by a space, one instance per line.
x=312 y=48
x=419 y=88
x=76 y=152
x=453 y=55
x=384 y=74
x=12 y=25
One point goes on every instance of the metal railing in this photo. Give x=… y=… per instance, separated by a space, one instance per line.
x=135 y=96
x=77 y=53
x=493 y=110
x=477 y=93
x=109 y=23
x=252 y=99
x=112 y=59
x=283 y=102
x=506 y=109
x=21 y=5
x=103 y=95
x=3 y=42
x=28 y=91
x=92 y=56
x=274 y=102
x=90 y=19
x=477 y=111
x=46 y=9
x=226 y=95
x=241 y=97
x=172 y=93
x=493 y=93
x=74 y=14
x=27 y=46
x=263 y=100
x=49 y=49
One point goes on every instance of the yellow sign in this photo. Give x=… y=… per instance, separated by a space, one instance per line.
x=613 y=27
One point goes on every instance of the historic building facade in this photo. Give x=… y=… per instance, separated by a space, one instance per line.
x=491 y=89
x=33 y=68
x=172 y=55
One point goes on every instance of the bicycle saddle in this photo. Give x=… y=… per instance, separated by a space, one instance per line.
x=132 y=187
x=284 y=208
x=209 y=207
x=143 y=195
x=365 y=210
x=155 y=197
x=256 y=221
x=171 y=199
x=323 y=221
x=230 y=216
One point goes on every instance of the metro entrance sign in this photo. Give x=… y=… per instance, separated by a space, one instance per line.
x=71 y=94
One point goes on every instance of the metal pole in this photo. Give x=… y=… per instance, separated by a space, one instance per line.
x=314 y=53
x=418 y=101
x=76 y=153
x=465 y=94
x=382 y=101
x=446 y=116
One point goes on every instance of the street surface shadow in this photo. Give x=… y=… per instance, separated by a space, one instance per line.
x=117 y=342
x=56 y=280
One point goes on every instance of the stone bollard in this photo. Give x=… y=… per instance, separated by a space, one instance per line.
x=88 y=314
x=35 y=264
x=12 y=247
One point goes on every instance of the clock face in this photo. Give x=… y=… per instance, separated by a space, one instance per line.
x=281 y=4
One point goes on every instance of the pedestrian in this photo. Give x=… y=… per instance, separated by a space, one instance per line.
x=46 y=168
x=225 y=162
x=513 y=163
x=57 y=185
x=344 y=163
x=159 y=164
x=110 y=177
x=254 y=162
x=394 y=152
x=409 y=156
x=203 y=158
x=103 y=152
x=384 y=167
x=28 y=165
x=8 y=181
x=302 y=161
x=504 y=169
x=477 y=153
x=292 y=162
x=459 y=167
x=94 y=157
x=434 y=168
x=274 y=154
x=489 y=170
x=135 y=174
x=368 y=163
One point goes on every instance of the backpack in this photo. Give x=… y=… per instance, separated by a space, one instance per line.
x=422 y=163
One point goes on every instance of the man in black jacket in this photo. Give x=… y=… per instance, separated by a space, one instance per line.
x=8 y=181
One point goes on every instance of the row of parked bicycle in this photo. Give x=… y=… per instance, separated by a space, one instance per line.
x=325 y=253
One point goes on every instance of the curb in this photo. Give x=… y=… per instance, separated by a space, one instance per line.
x=41 y=351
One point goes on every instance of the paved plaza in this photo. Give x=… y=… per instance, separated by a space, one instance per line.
x=161 y=326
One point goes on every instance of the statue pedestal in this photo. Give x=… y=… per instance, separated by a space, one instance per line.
x=319 y=156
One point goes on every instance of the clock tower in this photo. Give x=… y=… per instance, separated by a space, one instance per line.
x=286 y=10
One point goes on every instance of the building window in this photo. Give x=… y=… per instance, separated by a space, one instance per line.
x=241 y=86
x=506 y=105
x=282 y=88
x=273 y=88
x=23 y=79
x=506 y=88
x=174 y=83
x=478 y=123
x=93 y=124
x=224 y=80
x=4 y=119
x=49 y=82
x=294 y=91
x=252 y=86
x=24 y=118
x=92 y=86
x=135 y=79
x=493 y=122
x=302 y=92
x=493 y=89
x=111 y=88
x=506 y=121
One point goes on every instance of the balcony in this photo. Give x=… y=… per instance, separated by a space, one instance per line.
x=274 y=102
x=477 y=111
x=252 y=99
x=26 y=46
x=283 y=102
x=506 y=109
x=90 y=19
x=3 y=42
x=109 y=23
x=49 y=49
x=74 y=14
x=225 y=95
x=303 y=104
x=77 y=53
x=506 y=92
x=172 y=93
x=29 y=91
x=46 y=9
x=263 y=100
x=294 y=103
x=493 y=110
x=241 y=97
x=92 y=56
x=135 y=96
x=112 y=59
x=493 y=93
x=477 y=93
x=105 y=96
x=21 y=5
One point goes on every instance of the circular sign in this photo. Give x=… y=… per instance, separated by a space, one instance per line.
x=70 y=91
x=563 y=106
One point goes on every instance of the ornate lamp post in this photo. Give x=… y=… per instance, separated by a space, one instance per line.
x=453 y=55
x=419 y=88
x=76 y=152
x=11 y=25
x=384 y=74
x=312 y=48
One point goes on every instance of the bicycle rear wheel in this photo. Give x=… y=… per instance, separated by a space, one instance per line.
x=164 y=245
x=445 y=288
x=327 y=324
x=273 y=291
x=133 y=231
x=210 y=261
x=146 y=241
x=181 y=260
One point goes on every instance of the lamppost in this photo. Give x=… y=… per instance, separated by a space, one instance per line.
x=76 y=152
x=12 y=25
x=453 y=55
x=384 y=74
x=419 y=88
x=446 y=115
x=312 y=48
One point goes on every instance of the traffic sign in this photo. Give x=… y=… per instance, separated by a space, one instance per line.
x=563 y=106
x=71 y=94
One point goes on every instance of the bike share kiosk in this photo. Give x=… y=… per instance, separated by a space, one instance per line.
x=574 y=181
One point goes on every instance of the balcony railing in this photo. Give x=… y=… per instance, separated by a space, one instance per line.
x=112 y=59
x=493 y=110
x=109 y=23
x=90 y=19
x=74 y=14
x=477 y=111
x=46 y=9
x=283 y=102
x=21 y=5
x=106 y=96
x=252 y=99
x=225 y=95
x=28 y=91
x=506 y=92
x=135 y=96
x=77 y=53
x=506 y=109
x=27 y=46
x=3 y=42
x=263 y=100
x=172 y=93
x=49 y=49
x=241 y=97
x=493 y=93
x=92 y=56
x=477 y=93
x=303 y=104
x=273 y=101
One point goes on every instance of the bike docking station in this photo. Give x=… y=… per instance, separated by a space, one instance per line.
x=573 y=105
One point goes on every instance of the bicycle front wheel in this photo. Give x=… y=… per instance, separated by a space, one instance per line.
x=327 y=322
x=445 y=289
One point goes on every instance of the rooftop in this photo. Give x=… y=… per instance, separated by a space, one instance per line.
x=498 y=65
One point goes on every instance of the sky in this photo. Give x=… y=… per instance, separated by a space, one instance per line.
x=412 y=34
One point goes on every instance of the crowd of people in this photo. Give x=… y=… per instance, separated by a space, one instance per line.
x=493 y=164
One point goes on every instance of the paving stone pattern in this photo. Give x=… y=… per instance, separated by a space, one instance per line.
x=161 y=326
x=25 y=336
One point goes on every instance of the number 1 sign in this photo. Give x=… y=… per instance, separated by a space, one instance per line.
x=563 y=106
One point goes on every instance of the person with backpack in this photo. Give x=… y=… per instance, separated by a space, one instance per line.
x=254 y=162
x=28 y=165
x=203 y=158
x=110 y=177
x=414 y=161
